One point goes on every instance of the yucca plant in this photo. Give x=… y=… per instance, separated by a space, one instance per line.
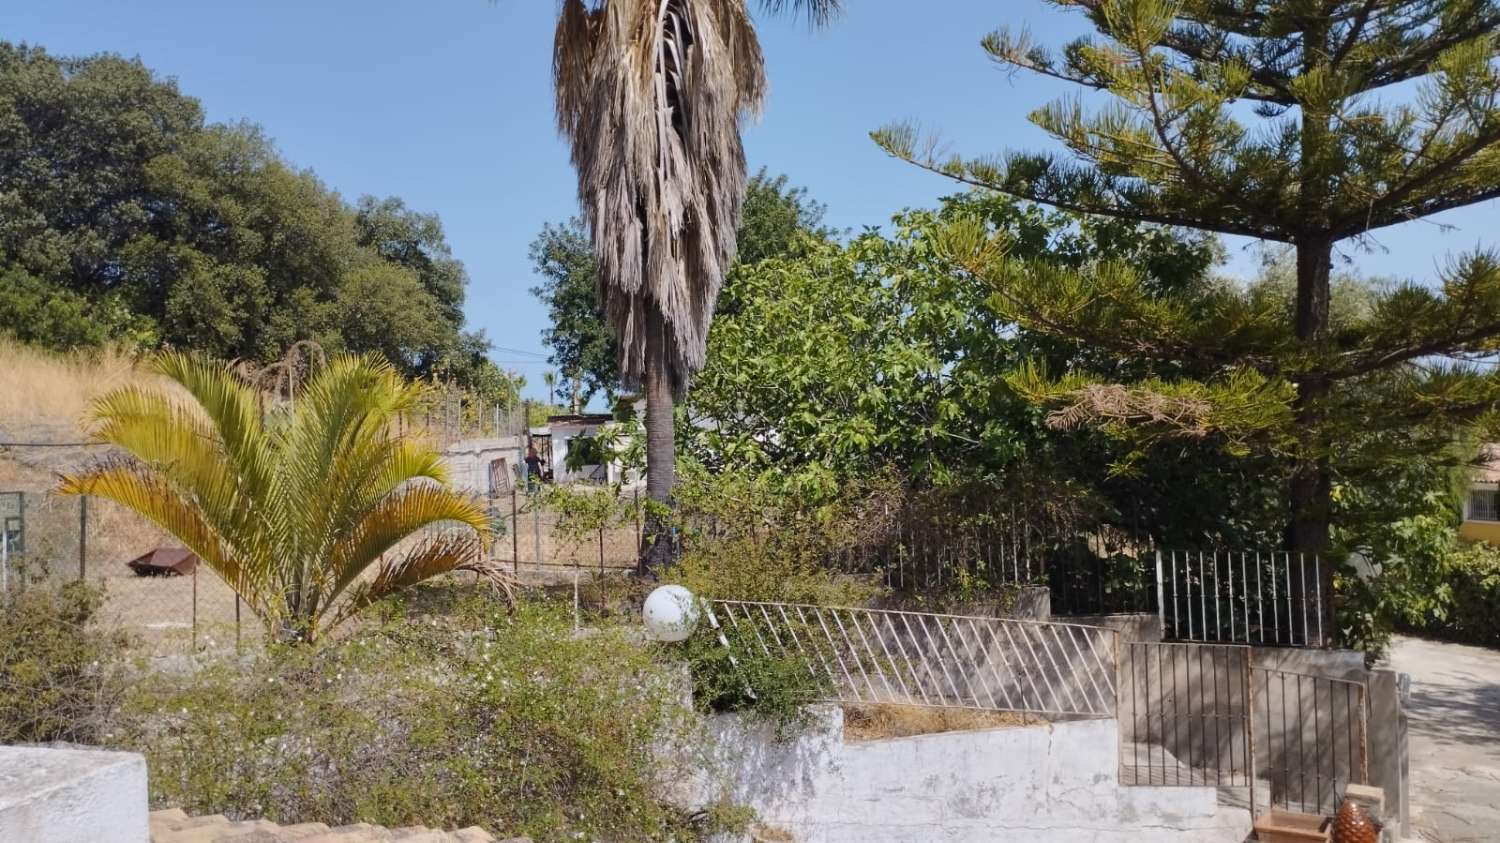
x=311 y=512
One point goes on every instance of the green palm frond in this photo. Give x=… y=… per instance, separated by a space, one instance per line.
x=434 y=557
x=394 y=518
x=290 y=514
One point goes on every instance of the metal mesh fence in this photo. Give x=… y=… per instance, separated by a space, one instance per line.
x=528 y=538
x=47 y=536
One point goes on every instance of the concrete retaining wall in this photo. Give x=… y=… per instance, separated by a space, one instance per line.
x=1042 y=784
x=70 y=796
x=1140 y=626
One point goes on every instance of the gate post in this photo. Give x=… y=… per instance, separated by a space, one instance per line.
x=1248 y=676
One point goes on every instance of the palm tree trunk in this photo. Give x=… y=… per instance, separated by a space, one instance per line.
x=661 y=453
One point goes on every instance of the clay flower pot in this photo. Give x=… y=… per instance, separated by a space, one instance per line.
x=1353 y=824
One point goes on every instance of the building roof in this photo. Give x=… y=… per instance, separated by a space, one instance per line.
x=581 y=418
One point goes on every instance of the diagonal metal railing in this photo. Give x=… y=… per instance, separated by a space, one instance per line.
x=929 y=659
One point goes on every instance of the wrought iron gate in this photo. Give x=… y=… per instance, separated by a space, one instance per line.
x=1198 y=715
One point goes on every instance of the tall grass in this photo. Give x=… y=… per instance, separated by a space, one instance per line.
x=46 y=393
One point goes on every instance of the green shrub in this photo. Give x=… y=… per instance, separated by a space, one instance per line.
x=748 y=537
x=41 y=313
x=742 y=678
x=57 y=667
x=466 y=716
x=1471 y=612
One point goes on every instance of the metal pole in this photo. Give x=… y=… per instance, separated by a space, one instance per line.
x=536 y=531
x=601 y=550
x=83 y=537
x=1249 y=684
x=515 y=532
x=195 y=609
x=236 y=623
x=1161 y=603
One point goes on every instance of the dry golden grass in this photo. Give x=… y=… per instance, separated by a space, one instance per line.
x=50 y=390
x=880 y=721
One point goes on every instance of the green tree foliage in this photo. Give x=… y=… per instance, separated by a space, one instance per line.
x=778 y=220
x=292 y=510
x=124 y=216
x=879 y=353
x=1270 y=120
x=40 y=313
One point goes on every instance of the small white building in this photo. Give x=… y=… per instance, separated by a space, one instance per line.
x=566 y=432
x=485 y=467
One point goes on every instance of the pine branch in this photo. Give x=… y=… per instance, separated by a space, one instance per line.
x=899 y=141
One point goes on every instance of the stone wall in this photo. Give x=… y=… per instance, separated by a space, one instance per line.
x=1042 y=784
x=70 y=796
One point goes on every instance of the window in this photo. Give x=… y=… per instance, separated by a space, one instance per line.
x=1484 y=504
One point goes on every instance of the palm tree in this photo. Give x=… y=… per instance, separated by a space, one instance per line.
x=550 y=379
x=650 y=94
x=309 y=512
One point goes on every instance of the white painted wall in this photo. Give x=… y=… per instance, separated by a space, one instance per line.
x=1037 y=784
x=71 y=796
x=468 y=463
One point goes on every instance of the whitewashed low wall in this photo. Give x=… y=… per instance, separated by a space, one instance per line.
x=1048 y=784
x=71 y=796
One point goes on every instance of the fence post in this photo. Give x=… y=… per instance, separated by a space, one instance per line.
x=236 y=623
x=515 y=532
x=601 y=550
x=536 y=531
x=1161 y=598
x=194 y=647
x=83 y=537
x=1247 y=676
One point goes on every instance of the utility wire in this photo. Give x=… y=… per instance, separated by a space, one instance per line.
x=51 y=444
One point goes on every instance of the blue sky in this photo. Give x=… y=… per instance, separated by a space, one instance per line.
x=447 y=104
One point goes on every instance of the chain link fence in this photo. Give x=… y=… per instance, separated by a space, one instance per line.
x=51 y=537
x=46 y=536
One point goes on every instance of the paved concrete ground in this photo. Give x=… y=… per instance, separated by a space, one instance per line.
x=1454 y=739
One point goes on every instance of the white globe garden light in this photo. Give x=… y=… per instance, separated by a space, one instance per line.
x=670 y=613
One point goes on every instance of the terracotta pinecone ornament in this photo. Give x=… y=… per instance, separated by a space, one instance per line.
x=1353 y=824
